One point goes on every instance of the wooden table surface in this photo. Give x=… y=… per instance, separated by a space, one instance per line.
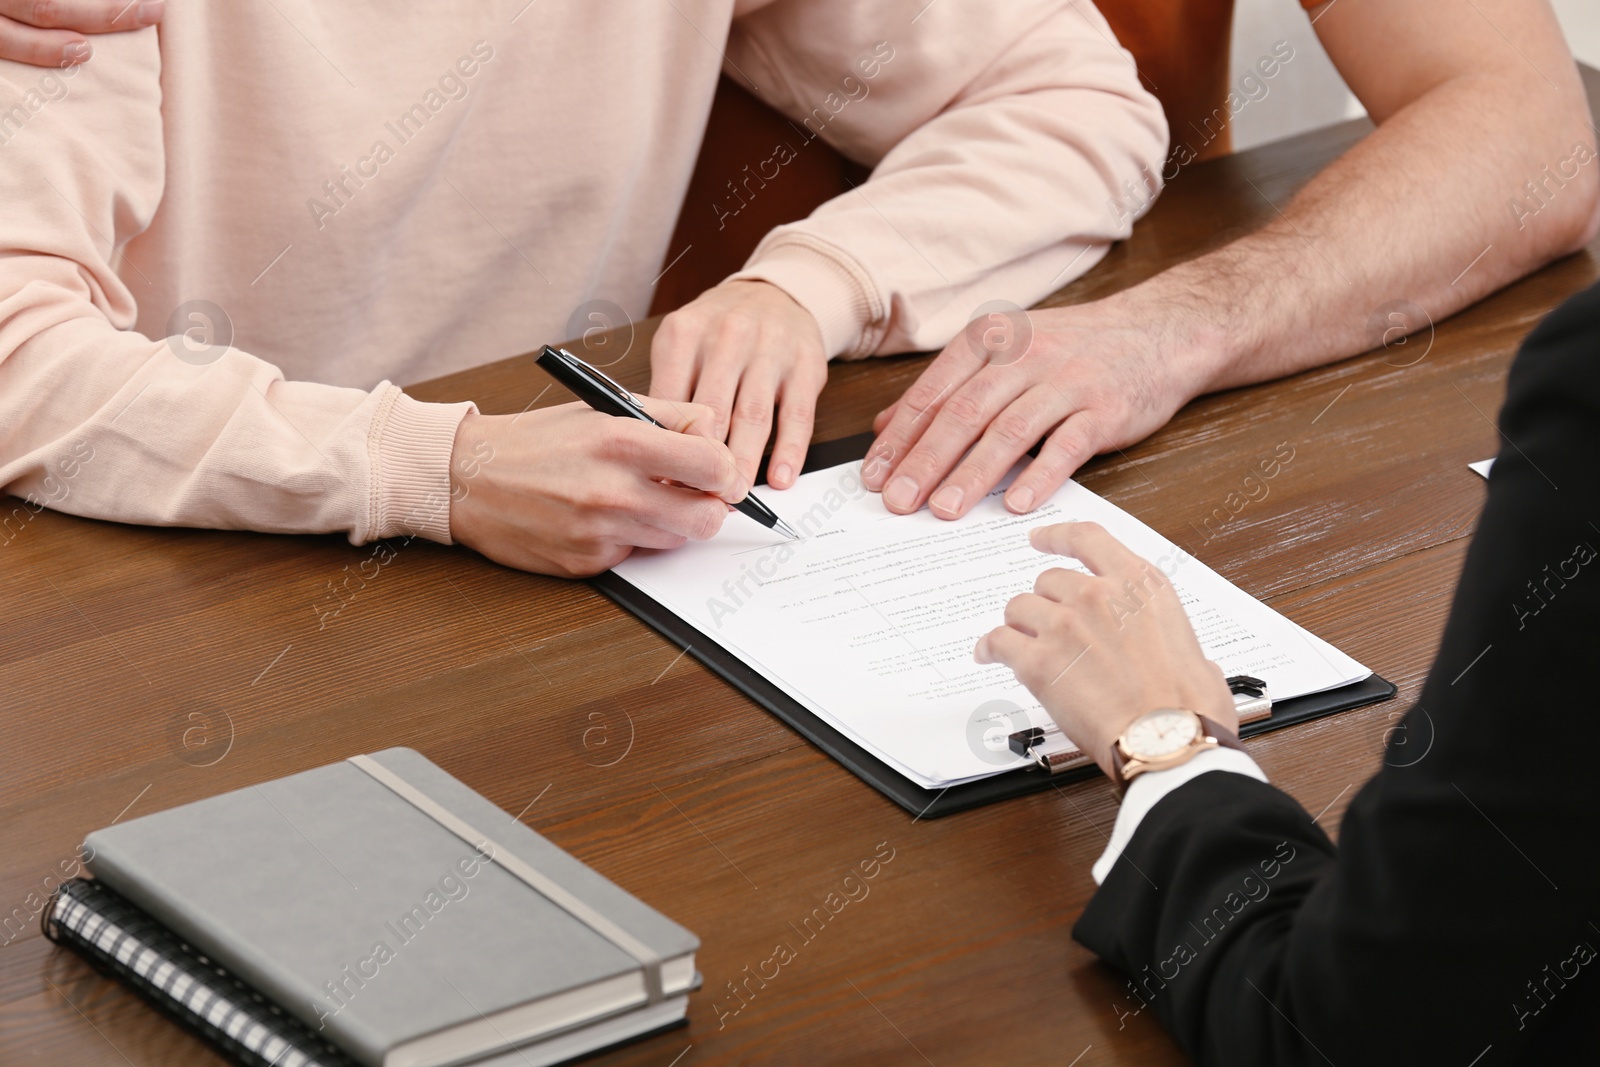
x=143 y=668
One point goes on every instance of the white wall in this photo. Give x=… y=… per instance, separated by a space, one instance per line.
x=1581 y=20
x=1308 y=92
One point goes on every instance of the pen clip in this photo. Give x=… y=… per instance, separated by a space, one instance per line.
x=589 y=368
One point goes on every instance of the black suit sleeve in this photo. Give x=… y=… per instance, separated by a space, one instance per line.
x=1456 y=919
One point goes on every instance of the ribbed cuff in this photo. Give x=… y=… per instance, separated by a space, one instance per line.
x=410 y=446
x=825 y=281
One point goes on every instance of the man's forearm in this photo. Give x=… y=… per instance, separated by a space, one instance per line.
x=1421 y=211
x=1474 y=100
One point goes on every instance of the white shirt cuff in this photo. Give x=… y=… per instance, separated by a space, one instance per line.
x=1147 y=790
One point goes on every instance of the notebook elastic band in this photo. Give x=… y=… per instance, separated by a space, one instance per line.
x=515 y=866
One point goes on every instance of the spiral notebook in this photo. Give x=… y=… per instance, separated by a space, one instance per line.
x=119 y=939
x=374 y=911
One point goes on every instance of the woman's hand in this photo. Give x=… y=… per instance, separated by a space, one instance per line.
x=571 y=492
x=743 y=348
x=1099 y=650
x=49 y=33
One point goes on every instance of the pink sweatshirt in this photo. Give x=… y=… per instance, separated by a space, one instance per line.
x=221 y=239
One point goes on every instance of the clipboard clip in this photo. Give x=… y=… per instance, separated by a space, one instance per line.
x=1250 y=697
x=1048 y=747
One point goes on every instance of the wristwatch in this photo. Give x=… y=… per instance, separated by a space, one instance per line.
x=1165 y=738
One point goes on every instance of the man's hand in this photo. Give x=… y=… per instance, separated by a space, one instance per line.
x=1099 y=650
x=49 y=33
x=1482 y=168
x=741 y=349
x=569 y=491
x=1093 y=377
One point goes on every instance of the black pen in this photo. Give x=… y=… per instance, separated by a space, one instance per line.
x=596 y=389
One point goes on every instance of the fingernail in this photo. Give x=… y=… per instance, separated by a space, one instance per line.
x=781 y=475
x=1020 y=499
x=875 y=468
x=75 y=53
x=901 y=494
x=948 y=499
x=150 y=12
x=980 y=653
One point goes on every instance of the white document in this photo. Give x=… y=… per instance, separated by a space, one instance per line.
x=1482 y=466
x=869 y=621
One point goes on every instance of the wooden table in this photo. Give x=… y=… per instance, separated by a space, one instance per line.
x=144 y=668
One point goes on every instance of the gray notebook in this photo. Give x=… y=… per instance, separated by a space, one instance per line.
x=409 y=919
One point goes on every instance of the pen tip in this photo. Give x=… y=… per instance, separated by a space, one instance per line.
x=783 y=528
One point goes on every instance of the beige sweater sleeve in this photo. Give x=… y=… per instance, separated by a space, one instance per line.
x=1011 y=144
x=100 y=421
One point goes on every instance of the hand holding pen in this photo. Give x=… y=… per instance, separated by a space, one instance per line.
x=561 y=491
x=600 y=392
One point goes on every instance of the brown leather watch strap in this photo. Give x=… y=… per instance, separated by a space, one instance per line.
x=1119 y=783
x=1225 y=737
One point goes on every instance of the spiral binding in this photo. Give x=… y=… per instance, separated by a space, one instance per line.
x=119 y=938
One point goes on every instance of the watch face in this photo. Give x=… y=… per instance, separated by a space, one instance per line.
x=1161 y=733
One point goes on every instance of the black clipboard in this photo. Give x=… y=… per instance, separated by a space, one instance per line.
x=923 y=803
